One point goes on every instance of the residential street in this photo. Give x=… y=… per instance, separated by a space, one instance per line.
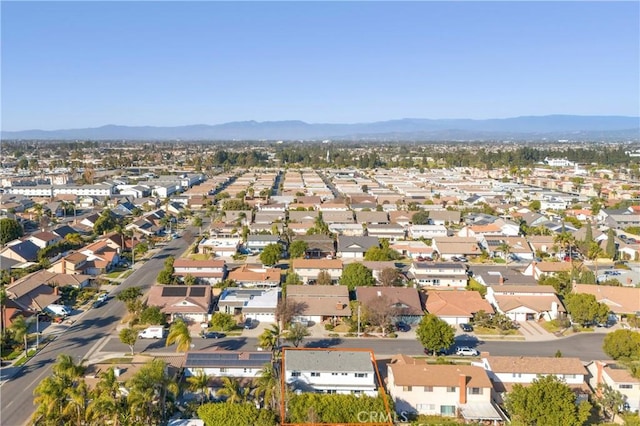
x=77 y=340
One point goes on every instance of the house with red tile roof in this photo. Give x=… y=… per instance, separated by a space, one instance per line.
x=456 y=307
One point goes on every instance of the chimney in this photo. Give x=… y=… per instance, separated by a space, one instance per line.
x=501 y=280
x=56 y=291
x=462 y=385
x=379 y=293
x=600 y=368
x=339 y=306
x=117 y=371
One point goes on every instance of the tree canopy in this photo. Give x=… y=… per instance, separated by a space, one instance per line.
x=214 y=414
x=435 y=334
x=271 y=254
x=622 y=344
x=356 y=274
x=584 y=308
x=547 y=401
x=298 y=248
x=10 y=230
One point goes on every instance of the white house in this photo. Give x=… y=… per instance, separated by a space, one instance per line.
x=222 y=247
x=209 y=271
x=445 y=390
x=338 y=371
x=526 y=302
x=308 y=269
x=426 y=231
x=219 y=363
x=257 y=304
x=439 y=274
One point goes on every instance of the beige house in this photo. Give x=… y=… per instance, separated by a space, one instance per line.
x=308 y=269
x=621 y=300
x=189 y=302
x=619 y=378
x=448 y=390
x=318 y=303
x=456 y=307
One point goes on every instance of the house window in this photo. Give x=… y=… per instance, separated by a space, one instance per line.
x=475 y=391
x=425 y=407
x=569 y=376
x=625 y=386
x=448 y=410
x=451 y=389
x=407 y=388
x=246 y=370
x=295 y=374
x=315 y=374
x=344 y=374
x=224 y=370
x=428 y=388
x=518 y=375
x=361 y=374
x=334 y=374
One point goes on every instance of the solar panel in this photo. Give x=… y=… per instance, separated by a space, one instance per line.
x=197 y=291
x=174 y=291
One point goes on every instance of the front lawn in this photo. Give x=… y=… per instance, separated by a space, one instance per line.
x=494 y=331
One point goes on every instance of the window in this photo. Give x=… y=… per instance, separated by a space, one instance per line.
x=334 y=374
x=343 y=374
x=295 y=374
x=448 y=410
x=516 y=375
x=475 y=391
x=315 y=374
x=451 y=389
x=569 y=376
x=428 y=388
x=407 y=388
x=224 y=370
x=625 y=386
x=361 y=374
x=425 y=407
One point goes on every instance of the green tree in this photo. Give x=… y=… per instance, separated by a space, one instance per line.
x=535 y=205
x=435 y=334
x=270 y=338
x=324 y=278
x=356 y=274
x=609 y=399
x=152 y=315
x=129 y=294
x=20 y=331
x=190 y=280
x=267 y=387
x=236 y=414
x=292 y=279
x=547 y=401
x=271 y=254
x=10 y=230
x=199 y=382
x=197 y=222
x=179 y=334
x=106 y=222
x=297 y=249
x=222 y=322
x=420 y=217
x=381 y=254
x=128 y=336
x=585 y=308
x=165 y=277
x=622 y=344
x=296 y=334
x=611 y=244
x=234 y=392
x=594 y=252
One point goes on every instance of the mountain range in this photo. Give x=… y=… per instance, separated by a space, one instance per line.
x=571 y=127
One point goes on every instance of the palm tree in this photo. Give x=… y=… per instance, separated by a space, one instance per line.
x=179 y=334
x=296 y=333
x=200 y=383
x=270 y=338
x=594 y=253
x=267 y=386
x=49 y=397
x=77 y=399
x=233 y=391
x=505 y=248
x=20 y=328
x=105 y=402
x=66 y=369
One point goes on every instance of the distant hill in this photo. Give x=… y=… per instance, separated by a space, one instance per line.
x=518 y=128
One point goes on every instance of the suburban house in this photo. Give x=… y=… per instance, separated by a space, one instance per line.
x=618 y=377
x=44 y=239
x=220 y=363
x=412 y=249
x=445 y=390
x=377 y=266
x=542 y=243
x=74 y=263
x=255 y=276
x=260 y=241
x=372 y=217
x=456 y=307
x=439 y=274
x=355 y=247
x=489 y=275
x=303 y=216
x=330 y=217
x=308 y=269
x=506 y=371
x=444 y=217
x=221 y=247
x=189 y=302
x=100 y=257
x=209 y=271
x=449 y=247
x=34 y=292
x=347 y=229
x=318 y=303
x=620 y=300
x=403 y=302
x=401 y=217
x=20 y=251
x=257 y=304
x=318 y=246
x=527 y=302
x=426 y=231
x=390 y=231
x=518 y=247
x=538 y=269
x=339 y=371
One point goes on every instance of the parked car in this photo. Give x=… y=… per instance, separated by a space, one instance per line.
x=211 y=335
x=403 y=326
x=99 y=303
x=467 y=328
x=102 y=297
x=155 y=332
x=248 y=323
x=465 y=351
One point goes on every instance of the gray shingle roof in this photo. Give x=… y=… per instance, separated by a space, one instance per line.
x=328 y=361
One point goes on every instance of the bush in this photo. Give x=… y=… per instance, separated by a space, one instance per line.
x=334 y=335
x=222 y=322
x=329 y=327
x=392 y=335
x=152 y=315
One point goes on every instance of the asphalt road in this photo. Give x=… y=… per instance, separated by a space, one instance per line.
x=78 y=339
x=586 y=346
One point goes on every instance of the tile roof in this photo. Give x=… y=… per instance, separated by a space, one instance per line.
x=324 y=300
x=397 y=296
x=536 y=365
x=408 y=371
x=317 y=264
x=456 y=303
x=619 y=299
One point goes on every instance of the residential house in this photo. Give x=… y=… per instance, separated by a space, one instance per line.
x=457 y=307
x=489 y=275
x=372 y=217
x=456 y=246
x=542 y=244
x=439 y=274
x=318 y=246
x=21 y=251
x=619 y=378
x=355 y=247
x=348 y=229
x=331 y=216
x=444 y=217
x=221 y=363
x=209 y=271
x=259 y=242
x=319 y=303
x=219 y=246
x=268 y=217
x=257 y=304
x=506 y=371
x=303 y=216
x=518 y=246
x=100 y=257
x=538 y=269
x=426 y=231
x=255 y=276
x=444 y=390
x=300 y=229
x=479 y=231
x=44 y=239
x=336 y=371
x=401 y=217
x=74 y=263
x=377 y=267
x=192 y=303
x=413 y=249
x=620 y=300
x=618 y=218
x=392 y=231
x=33 y=293
x=526 y=303
x=308 y=269
x=403 y=302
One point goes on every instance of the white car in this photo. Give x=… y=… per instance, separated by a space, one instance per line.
x=464 y=351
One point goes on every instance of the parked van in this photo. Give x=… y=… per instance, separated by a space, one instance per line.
x=60 y=310
x=152 y=333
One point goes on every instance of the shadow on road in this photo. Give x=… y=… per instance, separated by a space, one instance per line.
x=324 y=343
x=231 y=344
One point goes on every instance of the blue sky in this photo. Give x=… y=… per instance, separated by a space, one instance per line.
x=86 y=64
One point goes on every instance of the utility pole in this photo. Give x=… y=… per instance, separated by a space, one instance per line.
x=358 y=320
